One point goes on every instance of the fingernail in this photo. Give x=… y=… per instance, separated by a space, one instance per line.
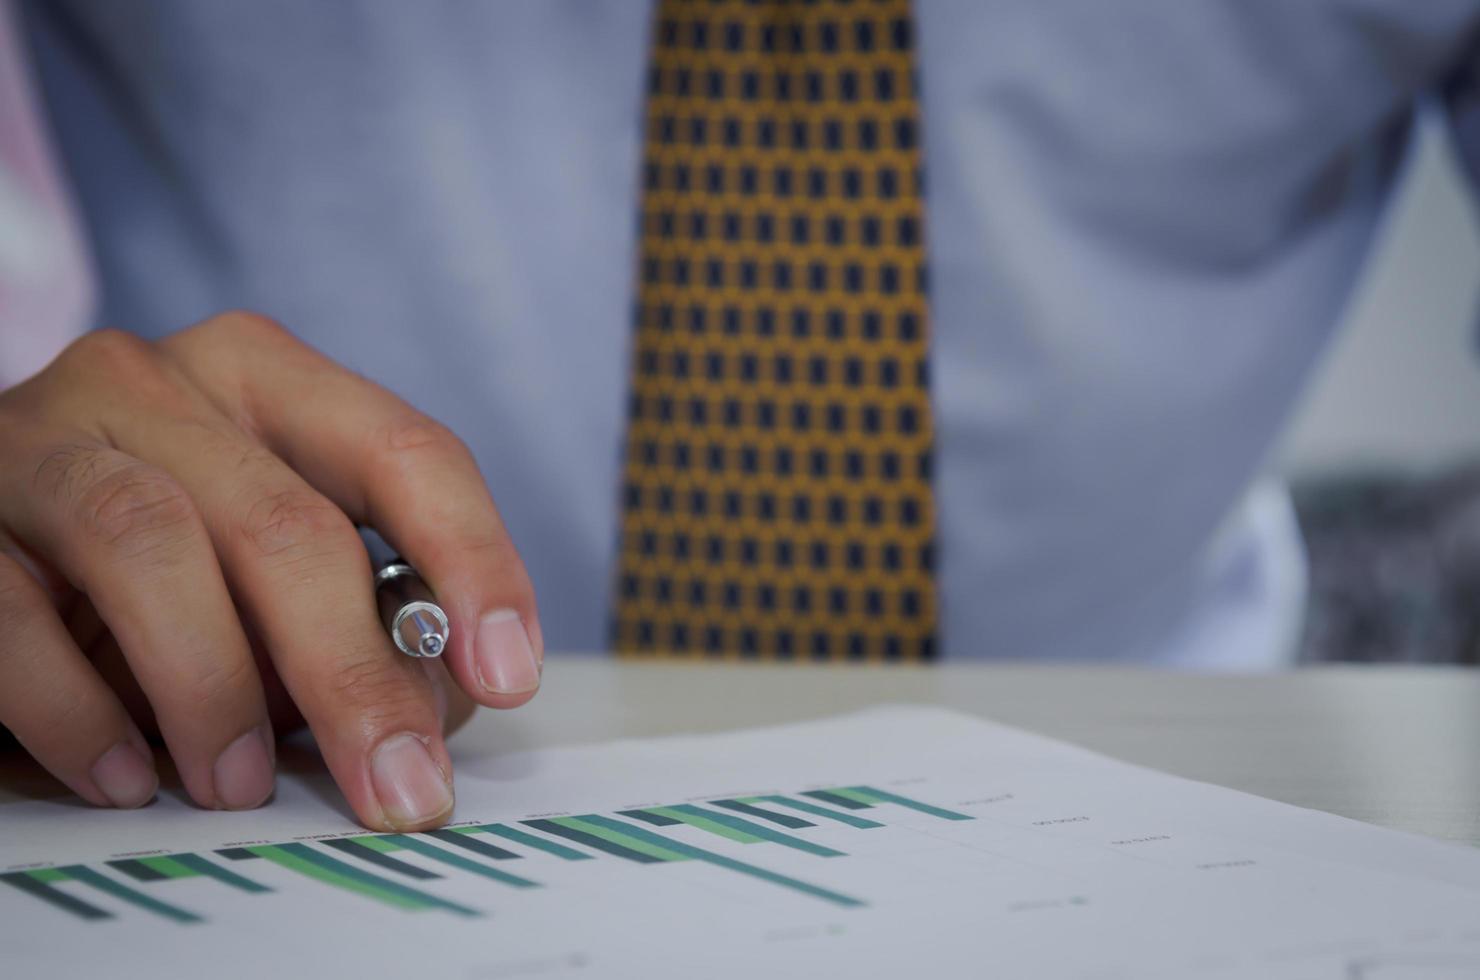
x=126 y=778
x=243 y=772
x=504 y=656
x=408 y=782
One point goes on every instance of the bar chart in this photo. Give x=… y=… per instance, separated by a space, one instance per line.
x=380 y=867
x=893 y=842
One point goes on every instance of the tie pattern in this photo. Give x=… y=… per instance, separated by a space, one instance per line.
x=776 y=491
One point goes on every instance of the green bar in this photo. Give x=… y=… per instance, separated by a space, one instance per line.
x=480 y=847
x=196 y=864
x=784 y=819
x=169 y=867
x=138 y=870
x=817 y=811
x=633 y=835
x=703 y=822
x=330 y=871
x=55 y=897
x=349 y=882
x=652 y=852
x=236 y=854
x=650 y=816
x=48 y=874
x=688 y=811
x=357 y=847
x=376 y=844
x=538 y=843
x=837 y=799
x=86 y=875
x=458 y=861
x=596 y=841
x=868 y=794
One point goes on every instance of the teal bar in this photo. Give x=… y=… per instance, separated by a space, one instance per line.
x=538 y=843
x=369 y=881
x=594 y=840
x=206 y=869
x=821 y=811
x=763 y=832
x=458 y=861
x=647 y=816
x=836 y=799
x=470 y=843
x=699 y=854
x=366 y=852
x=237 y=854
x=138 y=870
x=882 y=796
x=54 y=897
x=784 y=819
x=86 y=875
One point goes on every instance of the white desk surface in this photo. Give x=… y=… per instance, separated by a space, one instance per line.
x=1398 y=747
x=1394 y=746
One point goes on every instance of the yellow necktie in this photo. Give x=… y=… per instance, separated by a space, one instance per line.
x=776 y=498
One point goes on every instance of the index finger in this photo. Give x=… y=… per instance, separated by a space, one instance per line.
x=385 y=464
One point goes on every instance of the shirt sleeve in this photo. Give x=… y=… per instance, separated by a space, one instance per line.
x=45 y=280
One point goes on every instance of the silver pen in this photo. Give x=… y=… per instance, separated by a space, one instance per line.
x=409 y=611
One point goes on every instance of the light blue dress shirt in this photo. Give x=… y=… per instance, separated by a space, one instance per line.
x=1144 y=219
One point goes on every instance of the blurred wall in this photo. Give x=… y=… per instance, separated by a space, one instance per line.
x=1400 y=388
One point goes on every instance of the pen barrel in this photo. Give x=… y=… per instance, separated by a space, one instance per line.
x=409 y=612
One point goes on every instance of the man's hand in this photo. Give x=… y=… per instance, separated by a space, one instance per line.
x=199 y=495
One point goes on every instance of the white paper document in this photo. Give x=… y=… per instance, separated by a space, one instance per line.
x=901 y=842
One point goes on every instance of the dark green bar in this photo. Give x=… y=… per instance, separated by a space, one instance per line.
x=538 y=843
x=138 y=870
x=622 y=840
x=757 y=830
x=365 y=878
x=237 y=854
x=883 y=796
x=168 y=867
x=334 y=879
x=822 y=811
x=647 y=816
x=699 y=854
x=206 y=869
x=473 y=844
x=836 y=800
x=415 y=843
x=591 y=840
x=54 y=897
x=86 y=875
x=385 y=861
x=783 y=819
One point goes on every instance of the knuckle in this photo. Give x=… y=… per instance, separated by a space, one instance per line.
x=413 y=431
x=378 y=688
x=133 y=507
x=497 y=551
x=246 y=325
x=412 y=439
x=70 y=722
x=65 y=469
x=109 y=345
x=295 y=524
x=111 y=352
x=218 y=681
x=225 y=332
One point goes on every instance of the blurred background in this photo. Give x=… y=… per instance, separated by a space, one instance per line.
x=1384 y=453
